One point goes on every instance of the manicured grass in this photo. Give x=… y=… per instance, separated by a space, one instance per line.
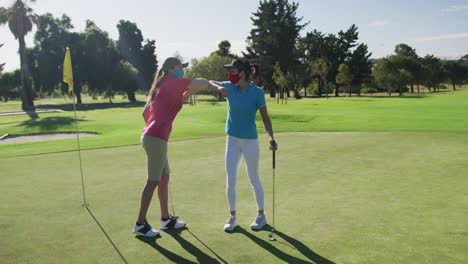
x=360 y=180
x=121 y=125
x=341 y=197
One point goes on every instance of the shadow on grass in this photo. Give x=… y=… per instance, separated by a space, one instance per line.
x=166 y=253
x=108 y=238
x=301 y=247
x=204 y=244
x=91 y=106
x=49 y=123
x=201 y=256
x=291 y=242
x=32 y=114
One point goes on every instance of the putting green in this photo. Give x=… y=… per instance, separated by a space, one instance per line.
x=344 y=197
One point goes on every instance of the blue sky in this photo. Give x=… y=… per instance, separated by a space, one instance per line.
x=194 y=28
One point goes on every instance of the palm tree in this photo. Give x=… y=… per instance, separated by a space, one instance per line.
x=20 y=19
x=1 y=64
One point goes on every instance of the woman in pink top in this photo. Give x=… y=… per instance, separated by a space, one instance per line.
x=165 y=99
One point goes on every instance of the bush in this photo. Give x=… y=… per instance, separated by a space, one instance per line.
x=369 y=90
x=10 y=85
x=354 y=89
x=312 y=90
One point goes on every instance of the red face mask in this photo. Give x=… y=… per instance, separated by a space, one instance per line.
x=233 y=78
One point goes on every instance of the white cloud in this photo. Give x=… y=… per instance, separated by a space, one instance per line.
x=379 y=23
x=441 y=37
x=455 y=8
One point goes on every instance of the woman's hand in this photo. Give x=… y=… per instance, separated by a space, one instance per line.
x=273 y=145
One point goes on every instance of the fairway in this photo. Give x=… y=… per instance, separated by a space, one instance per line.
x=120 y=123
x=342 y=197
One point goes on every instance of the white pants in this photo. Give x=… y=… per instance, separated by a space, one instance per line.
x=235 y=147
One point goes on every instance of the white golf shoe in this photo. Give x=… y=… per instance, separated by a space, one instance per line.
x=172 y=222
x=145 y=230
x=231 y=223
x=259 y=222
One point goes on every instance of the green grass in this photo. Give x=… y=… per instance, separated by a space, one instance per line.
x=122 y=125
x=361 y=180
x=342 y=197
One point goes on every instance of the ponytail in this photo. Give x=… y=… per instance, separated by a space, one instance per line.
x=255 y=73
x=158 y=78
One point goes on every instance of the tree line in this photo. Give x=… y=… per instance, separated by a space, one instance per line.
x=326 y=63
x=101 y=65
x=291 y=60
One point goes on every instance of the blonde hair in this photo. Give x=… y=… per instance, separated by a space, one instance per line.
x=158 y=78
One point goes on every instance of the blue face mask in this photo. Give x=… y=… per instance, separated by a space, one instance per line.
x=178 y=73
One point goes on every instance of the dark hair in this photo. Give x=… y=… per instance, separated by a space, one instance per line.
x=246 y=68
x=243 y=66
x=255 y=69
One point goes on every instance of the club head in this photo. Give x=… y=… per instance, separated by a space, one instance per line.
x=271 y=237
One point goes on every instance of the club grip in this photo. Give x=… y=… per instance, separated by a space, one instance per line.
x=274 y=158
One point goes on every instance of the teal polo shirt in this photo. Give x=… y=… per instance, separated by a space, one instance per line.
x=242 y=108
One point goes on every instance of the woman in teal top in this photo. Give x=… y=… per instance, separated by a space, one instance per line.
x=244 y=99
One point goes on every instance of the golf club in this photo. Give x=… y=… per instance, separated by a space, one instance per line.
x=271 y=235
x=172 y=202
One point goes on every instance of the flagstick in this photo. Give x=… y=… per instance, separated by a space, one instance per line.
x=85 y=204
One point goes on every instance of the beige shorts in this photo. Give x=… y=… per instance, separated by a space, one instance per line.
x=156 y=157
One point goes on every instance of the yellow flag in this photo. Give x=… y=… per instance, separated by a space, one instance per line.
x=67 y=71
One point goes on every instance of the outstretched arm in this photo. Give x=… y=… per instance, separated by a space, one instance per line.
x=201 y=84
x=220 y=88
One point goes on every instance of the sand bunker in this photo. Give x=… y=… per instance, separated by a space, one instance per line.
x=8 y=139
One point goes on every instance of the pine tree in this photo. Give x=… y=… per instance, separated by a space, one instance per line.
x=360 y=66
x=274 y=38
